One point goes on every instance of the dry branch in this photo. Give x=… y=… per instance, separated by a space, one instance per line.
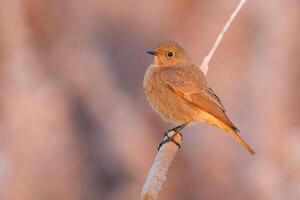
x=159 y=170
x=204 y=65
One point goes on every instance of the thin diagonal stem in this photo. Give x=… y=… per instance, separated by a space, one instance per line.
x=204 y=65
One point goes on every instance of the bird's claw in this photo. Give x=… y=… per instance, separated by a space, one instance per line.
x=170 y=139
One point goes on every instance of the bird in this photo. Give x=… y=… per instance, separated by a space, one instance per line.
x=177 y=90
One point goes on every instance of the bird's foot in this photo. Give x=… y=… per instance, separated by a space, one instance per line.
x=176 y=131
x=169 y=139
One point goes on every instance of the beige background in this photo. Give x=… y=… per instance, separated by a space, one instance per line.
x=75 y=123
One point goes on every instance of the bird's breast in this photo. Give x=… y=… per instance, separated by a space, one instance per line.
x=169 y=105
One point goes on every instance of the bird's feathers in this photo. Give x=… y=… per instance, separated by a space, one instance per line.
x=193 y=88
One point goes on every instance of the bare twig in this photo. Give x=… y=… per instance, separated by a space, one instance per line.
x=158 y=172
x=204 y=65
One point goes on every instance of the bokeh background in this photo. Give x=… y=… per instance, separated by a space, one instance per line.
x=75 y=123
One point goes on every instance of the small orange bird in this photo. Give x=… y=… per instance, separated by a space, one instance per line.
x=177 y=90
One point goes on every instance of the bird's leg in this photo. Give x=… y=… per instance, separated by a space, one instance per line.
x=173 y=129
x=177 y=130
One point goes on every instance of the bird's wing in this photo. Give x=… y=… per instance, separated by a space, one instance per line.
x=194 y=90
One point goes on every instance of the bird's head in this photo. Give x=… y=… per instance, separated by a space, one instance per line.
x=168 y=53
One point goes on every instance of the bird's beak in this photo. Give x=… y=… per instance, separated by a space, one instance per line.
x=152 y=53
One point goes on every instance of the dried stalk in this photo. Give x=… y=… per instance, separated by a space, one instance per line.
x=204 y=65
x=159 y=170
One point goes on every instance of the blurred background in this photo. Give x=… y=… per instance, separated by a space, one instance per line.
x=75 y=123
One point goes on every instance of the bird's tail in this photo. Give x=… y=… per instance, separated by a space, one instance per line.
x=237 y=137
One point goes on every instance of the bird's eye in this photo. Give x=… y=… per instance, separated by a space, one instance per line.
x=170 y=54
